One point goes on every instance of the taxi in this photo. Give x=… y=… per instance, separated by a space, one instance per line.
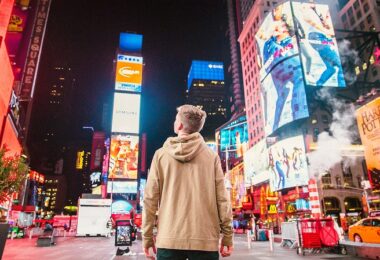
x=366 y=230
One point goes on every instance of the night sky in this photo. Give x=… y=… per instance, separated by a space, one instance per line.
x=84 y=34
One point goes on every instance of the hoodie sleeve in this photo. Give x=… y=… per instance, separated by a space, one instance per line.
x=151 y=199
x=224 y=205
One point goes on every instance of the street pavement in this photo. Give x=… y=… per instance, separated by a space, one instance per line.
x=94 y=248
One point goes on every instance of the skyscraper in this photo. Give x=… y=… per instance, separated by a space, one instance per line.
x=205 y=89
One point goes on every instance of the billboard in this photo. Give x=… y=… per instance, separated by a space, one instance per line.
x=284 y=96
x=205 y=70
x=128 y=73
x=367 y=118
x=318 y=46
x=130 y=42
x=97 y=150
x=256 y=164
x=16 y=28
x=124 y=154
x=234 y=137
x=126 y=113
x=287 y=164
x=122 y=187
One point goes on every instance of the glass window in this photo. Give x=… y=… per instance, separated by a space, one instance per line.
x=352 y=20
x=366 y=222
x=356 y=4
x=358 y=14
x=338 y=182
x=350 y=12
x=369 y=19
x=344 y=18
x=365 y=7
x=362 y=26
x=376 y=222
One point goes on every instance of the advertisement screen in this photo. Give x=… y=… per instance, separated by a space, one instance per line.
x=256 y=164
x=95 y=179
x=287 y=164
x=276 y=39
x=128 y=73
x=368 y=117
x=15 y=30
x=284 y=96
x=234 y=137
x=126 y=113
x=318 y=46
x=97 y=150
x=124 y=154
x=122 y=187
x=206 y=70
x=236 y=177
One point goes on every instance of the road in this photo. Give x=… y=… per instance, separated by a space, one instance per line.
x=94 y=248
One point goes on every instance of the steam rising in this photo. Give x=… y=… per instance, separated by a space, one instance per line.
x=350 y=59
x=342 y=133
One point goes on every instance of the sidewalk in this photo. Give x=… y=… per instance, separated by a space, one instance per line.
x=99 y=248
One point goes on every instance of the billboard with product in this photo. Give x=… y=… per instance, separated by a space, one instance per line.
x=233 y=138
x=126 y=113
x=122 y=187
x=128 y=73
x=124 y=151
x=287 y=164
x=318 y=46
x=256 y=164
x=368 y=117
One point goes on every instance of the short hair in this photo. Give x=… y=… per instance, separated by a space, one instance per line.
x=192 y=118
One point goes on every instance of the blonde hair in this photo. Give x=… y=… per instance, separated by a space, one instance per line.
x=192 y=118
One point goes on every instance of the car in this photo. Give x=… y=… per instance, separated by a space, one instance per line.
x=366 y=230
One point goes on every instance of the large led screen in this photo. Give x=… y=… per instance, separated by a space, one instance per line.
x=124 y=154
x=284 y=96
x=319 y=50
x=126 y=113
x=122 y=187
x=206 y=70
x=368 y=117
x=287 y=164
x=256 y=164
x=276 y=39
x=234 y=137
x=128 y=73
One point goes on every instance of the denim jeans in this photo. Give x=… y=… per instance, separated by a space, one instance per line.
x=174 y=254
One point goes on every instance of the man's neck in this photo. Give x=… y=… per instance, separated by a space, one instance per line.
x=182 y=134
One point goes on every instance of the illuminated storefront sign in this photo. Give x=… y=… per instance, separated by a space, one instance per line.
x=80 y=160
x=368 y=118
x=128 y=73
x=126 y=113
x=34 y=51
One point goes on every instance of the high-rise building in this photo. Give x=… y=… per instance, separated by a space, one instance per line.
x=206 y=90
x=245 y=8
x=362 y=16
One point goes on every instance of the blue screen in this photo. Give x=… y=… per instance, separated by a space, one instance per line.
x=130 y=42
x=206 y=70
x=234 y=137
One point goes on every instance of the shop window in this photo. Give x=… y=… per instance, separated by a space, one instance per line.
x=331 y=204
x=352 y=204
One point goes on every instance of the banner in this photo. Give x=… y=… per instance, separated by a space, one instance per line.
x=368 y=119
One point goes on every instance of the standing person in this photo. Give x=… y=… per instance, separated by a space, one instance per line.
x=186 y=186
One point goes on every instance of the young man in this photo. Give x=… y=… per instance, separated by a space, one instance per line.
x=186 y=186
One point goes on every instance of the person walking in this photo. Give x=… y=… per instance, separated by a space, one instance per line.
x=186 y=187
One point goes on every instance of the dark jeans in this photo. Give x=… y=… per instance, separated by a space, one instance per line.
x=174 y=254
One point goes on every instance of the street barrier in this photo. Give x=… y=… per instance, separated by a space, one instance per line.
x=289 y=235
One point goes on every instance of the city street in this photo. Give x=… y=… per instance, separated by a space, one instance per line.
x=95 y=248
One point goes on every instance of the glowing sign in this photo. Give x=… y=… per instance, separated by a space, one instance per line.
x=126 y=113
x=128 y=73
x=205 y=70
x=80 y=159
x=122 y=187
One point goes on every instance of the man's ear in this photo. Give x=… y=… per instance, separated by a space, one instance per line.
x=180 y=127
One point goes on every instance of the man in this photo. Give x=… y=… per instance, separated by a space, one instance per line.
x=186 y=186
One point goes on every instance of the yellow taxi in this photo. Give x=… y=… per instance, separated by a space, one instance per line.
x=366 y=230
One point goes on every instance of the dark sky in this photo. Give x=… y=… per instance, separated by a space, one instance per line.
x=84 y=34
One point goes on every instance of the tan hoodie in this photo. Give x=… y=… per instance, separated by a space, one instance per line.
x=186 y=186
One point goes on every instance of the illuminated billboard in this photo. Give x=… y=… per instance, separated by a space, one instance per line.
x=124 y=153
x=287 y=164
x=126 y=113
x=205 y=70
x=256 y=164
x=319 y=50
x=130 y=42
x=128 y=73
x=368 y=117
x=233 y=137
x=122 y=187
x=276 y=39
x=284 y=96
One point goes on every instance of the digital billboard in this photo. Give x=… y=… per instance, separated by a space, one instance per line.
x=124 y=154
x=126 y=113
x=284 y=96
x=287 y=164
x=97 y=150
x=122 y=187
x=234 y=137
x=276 y=39
x=128 y=73
x=318 y=46
x=256 y=164
x=16 y=28
x=368 y=117
x=130 y=42
x=205 y=70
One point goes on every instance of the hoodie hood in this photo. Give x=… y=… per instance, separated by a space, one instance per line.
x=184 y=148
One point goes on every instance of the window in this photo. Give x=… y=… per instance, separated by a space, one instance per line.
x=347 y=176
x=362 y=26
x=375 y=222
x=366 y=223
x=352 y=20
x=326 y=181
x=338 y=182
x=365 y=7
x=358 y=14
x=350 y=12
x=344 y=18
x=356 y=4
x=369 y=19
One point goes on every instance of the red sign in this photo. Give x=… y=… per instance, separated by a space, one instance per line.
x=97 y=150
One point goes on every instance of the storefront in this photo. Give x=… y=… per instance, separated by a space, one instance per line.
x=354 y=210
x=296 y=203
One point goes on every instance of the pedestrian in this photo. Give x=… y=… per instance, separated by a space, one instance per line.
x=186 y=186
